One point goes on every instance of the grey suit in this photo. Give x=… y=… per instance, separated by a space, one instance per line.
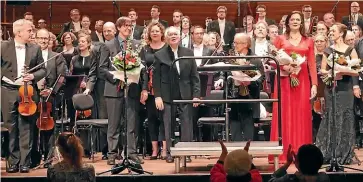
x=115 y=103
x=138 y=30
x=20 y=128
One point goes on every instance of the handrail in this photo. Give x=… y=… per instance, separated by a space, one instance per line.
x=239 y=67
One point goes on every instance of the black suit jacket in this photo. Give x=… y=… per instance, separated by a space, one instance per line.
x=92 y=74
x=67 y=27
x=138 y=30
x=95 y=38
x=55 y=67
x=186 y=84
x=163 y=22
x=229 y=32
x=33 y=57
x=345 y=21
x=106 y=66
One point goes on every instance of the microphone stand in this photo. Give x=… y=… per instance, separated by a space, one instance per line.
x=50 y=15
x=127 y=163
x=118 y=9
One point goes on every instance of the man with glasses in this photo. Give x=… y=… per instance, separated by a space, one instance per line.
x=73 y=26
x=115 y=96
x=55 y=67
x=307 y=12
x=42 y=23
x=355 y=18
x=15 y=55
x=225 y=28
x=261 y=15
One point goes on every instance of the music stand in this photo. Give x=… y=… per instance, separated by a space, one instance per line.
x=206 y=83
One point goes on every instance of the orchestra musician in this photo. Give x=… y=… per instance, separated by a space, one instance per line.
x=55 y=67
x=355 y=18
x=187 y=86
x=16 y=54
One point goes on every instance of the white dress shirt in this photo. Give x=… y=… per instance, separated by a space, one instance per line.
x=222 y=25
x=175 y=51
x=45 y=56
x=261 y=48
x=307 y=24
x=100 y=37
x=77 y=26
x=198 y=51
x=20 y=57
x=185 y=40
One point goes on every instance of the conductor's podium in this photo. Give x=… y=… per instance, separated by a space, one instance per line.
x=257 y=148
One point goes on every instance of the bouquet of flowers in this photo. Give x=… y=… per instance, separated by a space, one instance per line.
x=294 y=60
x=130 y=61
x=343 y=66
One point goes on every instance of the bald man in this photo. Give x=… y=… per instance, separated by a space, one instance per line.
x=109 y=31
x=355 y=18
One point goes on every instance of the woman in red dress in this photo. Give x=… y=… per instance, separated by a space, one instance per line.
x=295 y=101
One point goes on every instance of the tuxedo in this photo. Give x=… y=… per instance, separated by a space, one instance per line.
x=228 y=35
x=346 y=21
x=95 y=38
x=185 y=81
x=20 y=127
x=115 y=102
x=137 y=32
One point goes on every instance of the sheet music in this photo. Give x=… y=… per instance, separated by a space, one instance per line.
x=17 y=82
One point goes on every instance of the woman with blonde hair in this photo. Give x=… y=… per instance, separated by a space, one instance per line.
x=71 y=168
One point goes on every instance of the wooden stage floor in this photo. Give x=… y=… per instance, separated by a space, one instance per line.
x=159 y=167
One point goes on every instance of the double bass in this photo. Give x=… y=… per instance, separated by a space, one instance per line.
x=27 y=106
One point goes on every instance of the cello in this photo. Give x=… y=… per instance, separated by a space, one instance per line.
x=27 y=106
x=45 y=120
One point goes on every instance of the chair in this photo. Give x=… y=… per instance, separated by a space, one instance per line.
x=82 y=102
x=214 y=120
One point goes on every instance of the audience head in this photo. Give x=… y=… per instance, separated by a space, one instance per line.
x=23 y=30
x=29 y=16
x=155 y=32
x=75 y=15
x=283 y=21
x=84 y=40
x=185 y=22
x=42 y=23
x=350 y=38
x=260 y=29
x=207 y=21
x=221 y=12
x=357 y=31
x=337 y=32
x=329 y=19
x=85 y=22
x=172 y=36
x=321 y=42
x=68 y=38
x=261 y=11
x=214 y=40
x=273 y=32
x=242 y=42
x=354 y=7
x=155 y=12
x=248 y=20
x=295 y=22
x=133 y=15
x=309 y=159
x=177 y=15
x=123 y=25
x=321 y=28
x=52 y=41
x=42 y=37
x=198 y=34
x=307 y=11
x=237 y=163
x=109 y=30
x=70 y=148
x=99 y=26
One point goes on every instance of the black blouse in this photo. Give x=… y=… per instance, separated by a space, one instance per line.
x=85 y=66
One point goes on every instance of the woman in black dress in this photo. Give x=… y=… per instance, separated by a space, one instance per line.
x=155 y=41
x=346 y=88
x=69 y=50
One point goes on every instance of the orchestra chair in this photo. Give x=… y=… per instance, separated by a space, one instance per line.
x=213 y=121
x=83 y=102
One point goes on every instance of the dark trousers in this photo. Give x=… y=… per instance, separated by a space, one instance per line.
x=115 y=108
x=155 y=125
x=241 y=121
x=20 y=128
x=186 y=120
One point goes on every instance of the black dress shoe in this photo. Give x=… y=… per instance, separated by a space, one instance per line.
x=24 y=169
x=13 y=169
x=188 y=159
x=169 y=159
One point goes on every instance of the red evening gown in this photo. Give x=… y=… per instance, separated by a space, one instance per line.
x=295 y=102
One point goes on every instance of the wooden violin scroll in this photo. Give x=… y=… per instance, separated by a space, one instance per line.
x=27 y=106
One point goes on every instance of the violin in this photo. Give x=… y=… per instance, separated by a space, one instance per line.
x=27 y=106
x=45 y=120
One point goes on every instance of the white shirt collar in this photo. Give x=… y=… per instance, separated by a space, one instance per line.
x=221 y=21
x=198 y=46
x=18 y=44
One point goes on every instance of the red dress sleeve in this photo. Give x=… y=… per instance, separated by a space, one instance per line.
x=312 y=62
x=255 y=175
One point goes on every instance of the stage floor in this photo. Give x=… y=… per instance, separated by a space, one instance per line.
x=159 y=167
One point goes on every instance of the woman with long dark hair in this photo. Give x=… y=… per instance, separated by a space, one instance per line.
x=295 y=101
x=71 y=168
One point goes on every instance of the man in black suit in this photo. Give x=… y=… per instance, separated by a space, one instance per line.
x=15 y=55
x=261 y=11
x=243 y=115
x=55 y=67
x=97 y=36
x=198 y=47
x=115 y=97
x=225 y=28
x=355 y=18
x=186 y=85
x=136 y=30
x=155 y=12
x=73 y=26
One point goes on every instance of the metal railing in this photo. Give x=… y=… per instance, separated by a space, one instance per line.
x=227 y=101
